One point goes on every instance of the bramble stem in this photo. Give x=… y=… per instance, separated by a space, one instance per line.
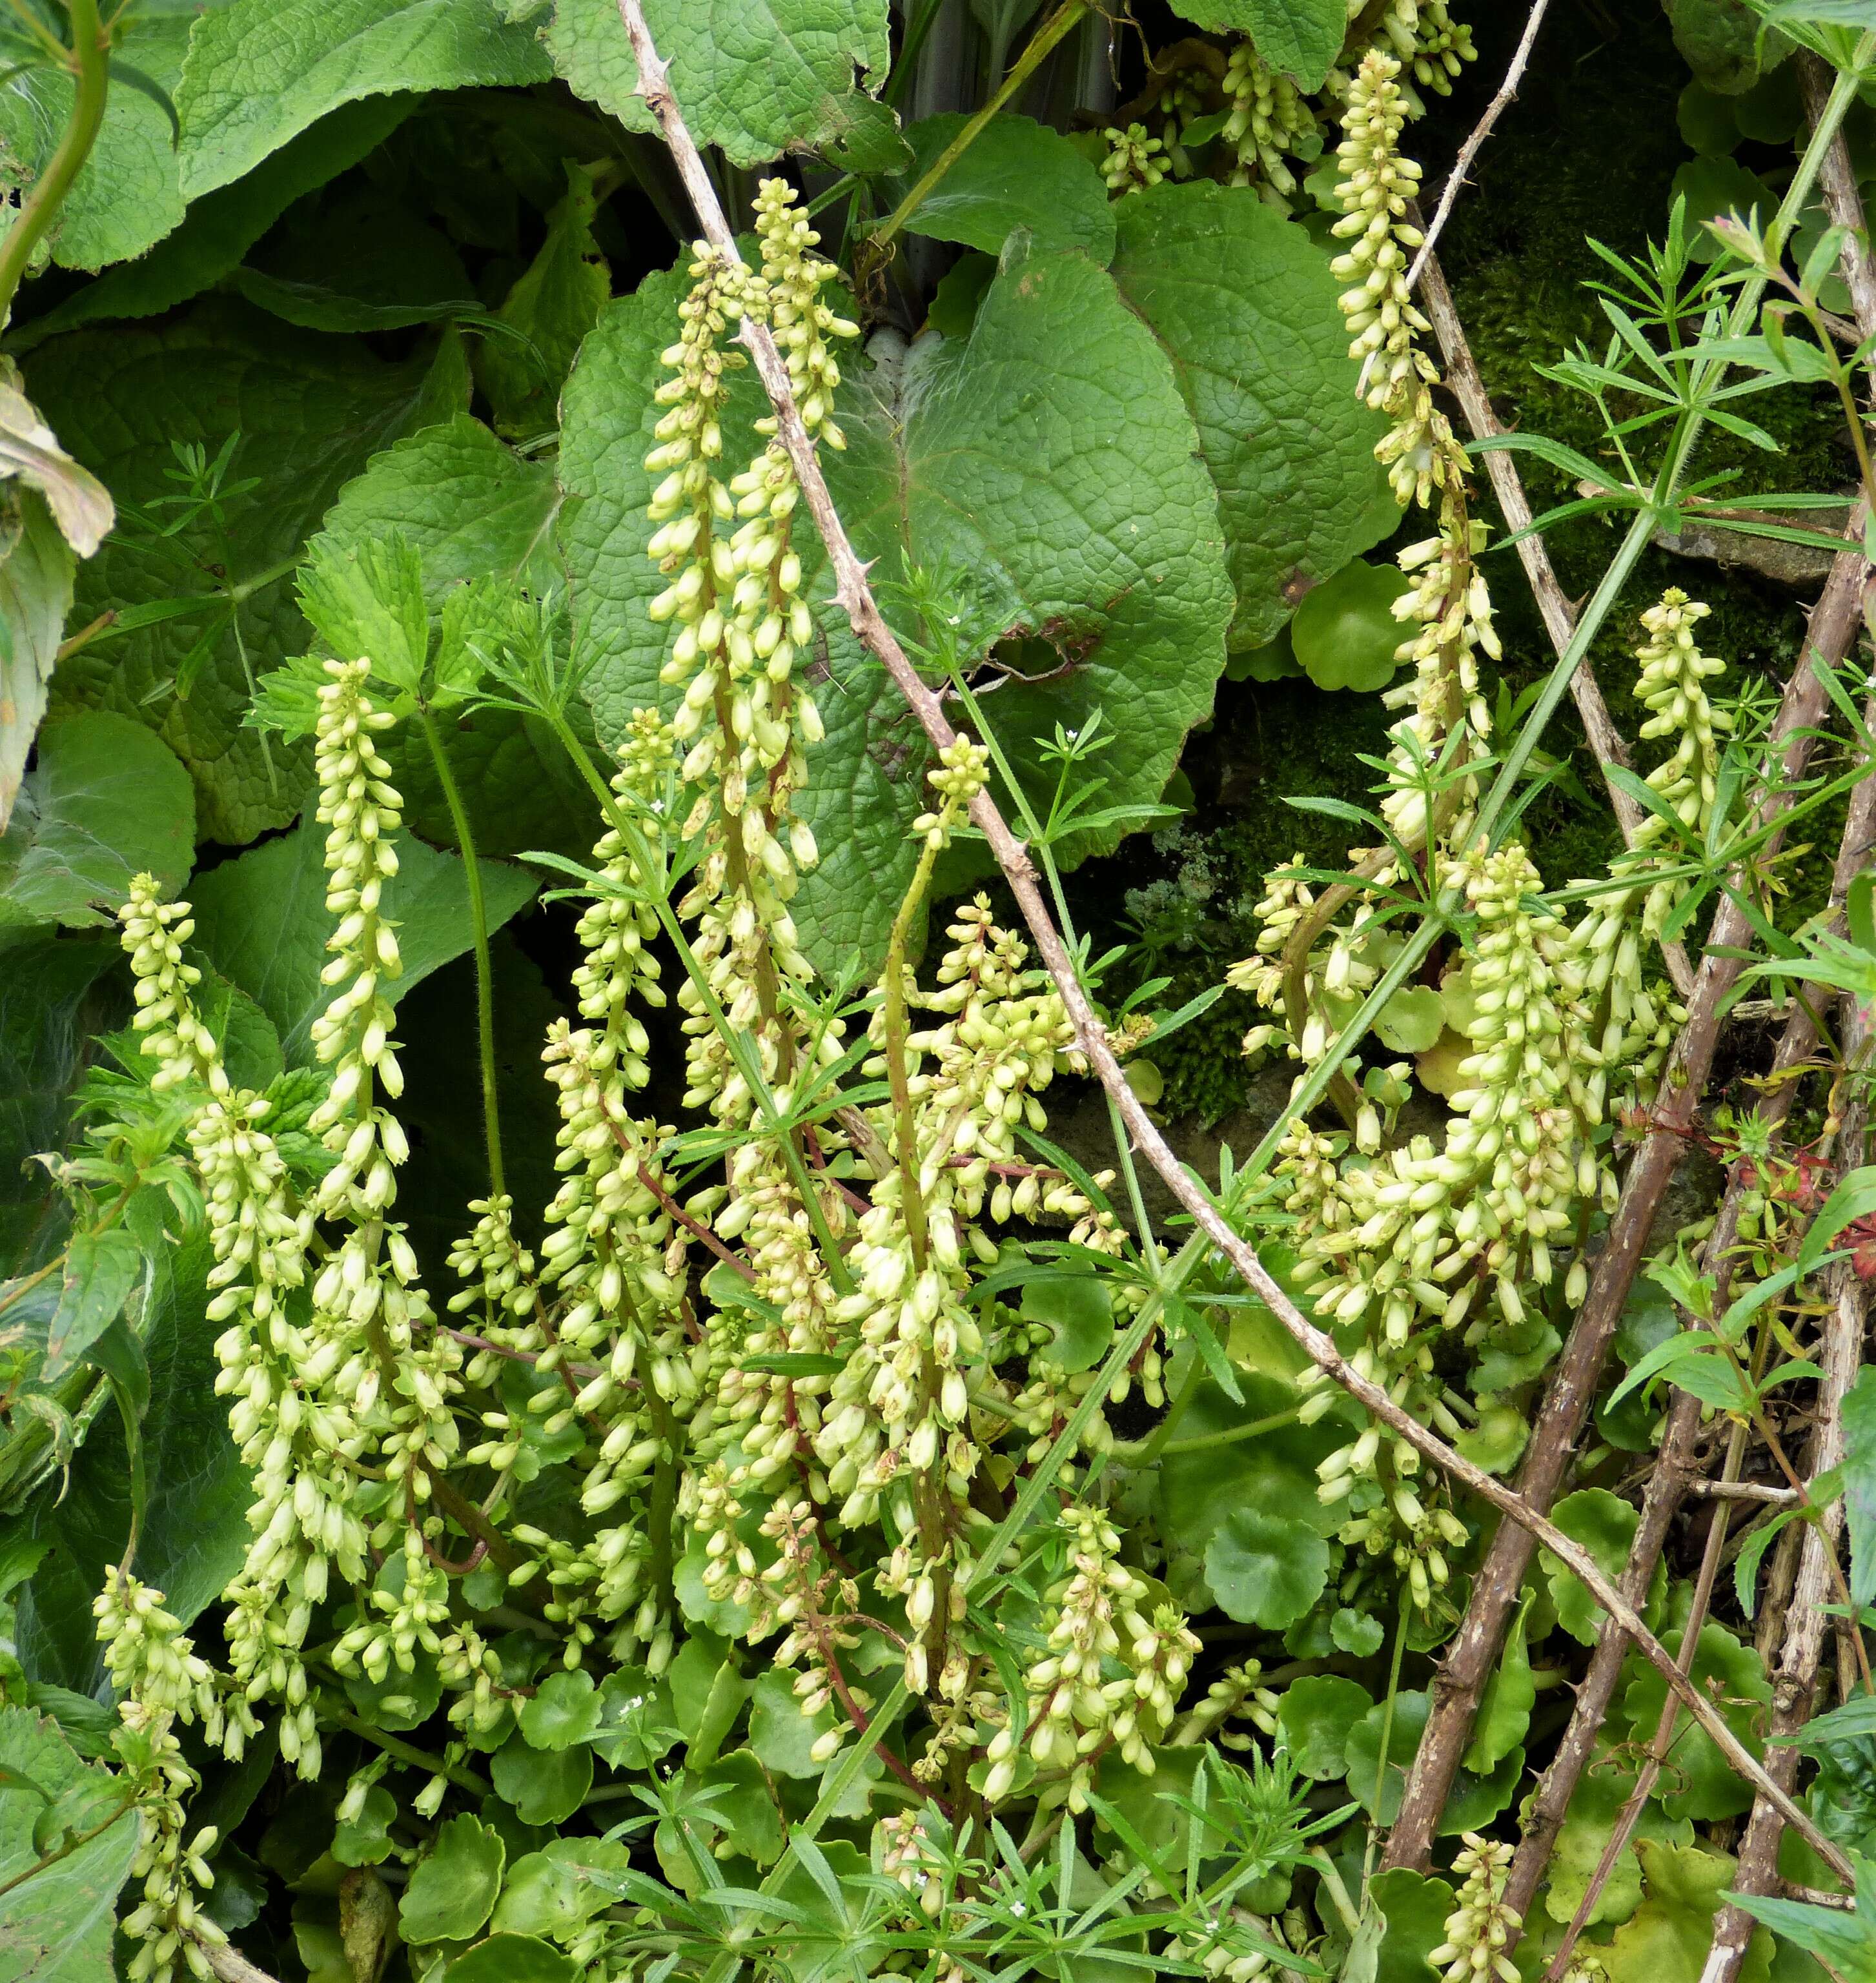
x=854 y=597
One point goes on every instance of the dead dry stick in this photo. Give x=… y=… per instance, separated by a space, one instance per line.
x=1605 y=741
x=1667 y=1485
x=1794 y=1683
x=1460 y=1680
x=854 y=597
x=1646 y=1778
x=1671 y=1479
x=1456 y=179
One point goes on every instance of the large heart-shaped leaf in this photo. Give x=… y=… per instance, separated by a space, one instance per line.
x=1243 y=302
x=1047 y=460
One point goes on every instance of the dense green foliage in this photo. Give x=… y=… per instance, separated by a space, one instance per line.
x=589 y=1387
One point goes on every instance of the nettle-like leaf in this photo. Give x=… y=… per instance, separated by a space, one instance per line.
x=1047 y=456
x=1302 y=37
x=259 y=71
x=554 y=303
x=56 y=1927
x=756 y=76
x=465 y=501
x=309 y=411
x=219 y=229
x=1243 y=302
x=106 y=800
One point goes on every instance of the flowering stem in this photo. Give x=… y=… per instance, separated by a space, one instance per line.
x=418 y=1759
x=478 y=930
x=748 y=1062
x=896 y=1023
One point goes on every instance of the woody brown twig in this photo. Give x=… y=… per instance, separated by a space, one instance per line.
x=1794 y=1683
x=1460 y=1680
x=1672 y=1477
x=854 y=596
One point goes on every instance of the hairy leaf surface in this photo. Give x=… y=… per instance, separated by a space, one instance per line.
x=259 y=71
x=1244 y=304
x=310 y=411
x=753 y=76
x=56 y=1927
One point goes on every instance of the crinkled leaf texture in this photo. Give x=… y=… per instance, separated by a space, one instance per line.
x=1047 y=459
x=1243 y=302
x=56 y=1927
x=1302 y=37
x=462 y=498
x=221 y=227
x=310 y=412
x=259 y=72
x=263 y=919
x=756 y=76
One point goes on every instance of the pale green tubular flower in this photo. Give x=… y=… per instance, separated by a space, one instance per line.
x=1135 y=159
x=160 y=1682
x=1481 y=1926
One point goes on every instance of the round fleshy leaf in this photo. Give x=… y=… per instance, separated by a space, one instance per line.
x=1265 y=1570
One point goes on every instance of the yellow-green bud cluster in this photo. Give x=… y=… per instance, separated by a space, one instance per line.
x=1094 y=1616
x=961 y=772
x=1135 y=159
x=160 y=1682
x=1239 y=1694
x=1376 y=185
x=174 y=1036
x=1481 y=1927
x=1270 y=119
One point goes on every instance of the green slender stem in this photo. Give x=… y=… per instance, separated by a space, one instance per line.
x=418 y=1759
x=917 y=30
x=478 y=931
x=1387 y=1737
x=1043 y=40
x=90 y=63
x=822 y=201
x=65 y=1850
x=1206 y=1441
x=747 y=1062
